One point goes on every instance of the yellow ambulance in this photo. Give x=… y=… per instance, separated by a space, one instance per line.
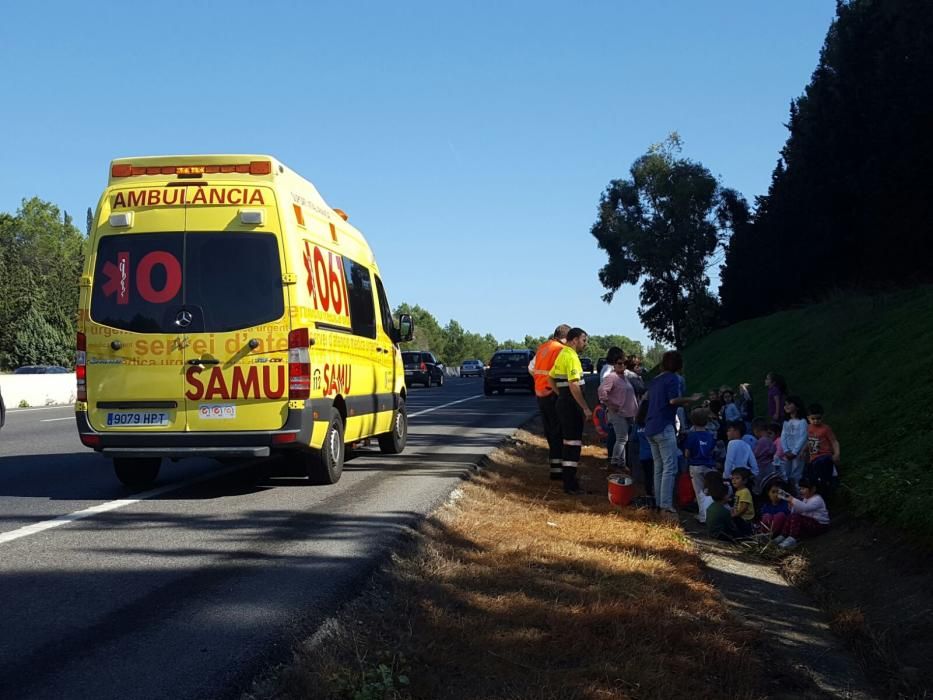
x=227 y=311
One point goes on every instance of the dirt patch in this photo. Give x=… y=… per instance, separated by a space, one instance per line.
x=877 y=587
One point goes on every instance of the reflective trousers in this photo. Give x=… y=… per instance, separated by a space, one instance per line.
x=550 y=419
x=571 y=430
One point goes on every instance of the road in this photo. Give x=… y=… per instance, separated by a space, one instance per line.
x=190 y=589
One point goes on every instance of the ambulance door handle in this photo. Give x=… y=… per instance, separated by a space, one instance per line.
x=203 y=362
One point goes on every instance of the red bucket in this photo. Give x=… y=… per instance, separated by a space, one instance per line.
x=621 y=490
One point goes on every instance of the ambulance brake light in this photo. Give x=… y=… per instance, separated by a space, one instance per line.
x=299 y=364
x=81 y=367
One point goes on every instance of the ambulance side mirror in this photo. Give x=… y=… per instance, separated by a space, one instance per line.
x=406 y=328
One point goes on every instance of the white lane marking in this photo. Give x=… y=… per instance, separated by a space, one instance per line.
x=445 y=405
x=52 y=420
x=36 y=528
x=10 y=411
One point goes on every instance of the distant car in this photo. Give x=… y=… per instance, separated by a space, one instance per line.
x=421 y=367
x=471 y=368
x=587 y=364
x=41 y=369
x=508 y=369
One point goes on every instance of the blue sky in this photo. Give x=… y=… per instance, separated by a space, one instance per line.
x=469 y=141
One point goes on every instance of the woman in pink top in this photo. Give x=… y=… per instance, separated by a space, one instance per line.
x=618 y=395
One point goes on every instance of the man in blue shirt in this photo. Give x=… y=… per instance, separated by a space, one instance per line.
x=664 y=396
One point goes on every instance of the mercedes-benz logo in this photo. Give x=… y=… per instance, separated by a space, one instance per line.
x=183 y=319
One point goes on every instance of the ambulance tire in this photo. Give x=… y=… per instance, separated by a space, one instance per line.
x=394 y=442
x=326 y=465
x=137 y=473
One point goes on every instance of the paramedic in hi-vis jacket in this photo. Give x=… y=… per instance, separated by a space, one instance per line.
x=540 y=368
x=566 y=378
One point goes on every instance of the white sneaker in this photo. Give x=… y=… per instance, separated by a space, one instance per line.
x=779 y=539
x=788 y=543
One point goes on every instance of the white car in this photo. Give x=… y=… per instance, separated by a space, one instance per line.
x=471 y=368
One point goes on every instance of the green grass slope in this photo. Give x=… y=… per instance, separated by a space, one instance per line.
x=869 y=361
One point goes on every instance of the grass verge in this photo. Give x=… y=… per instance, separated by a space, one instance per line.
x=514 y=590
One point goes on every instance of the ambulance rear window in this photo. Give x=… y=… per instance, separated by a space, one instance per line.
x=142 y=281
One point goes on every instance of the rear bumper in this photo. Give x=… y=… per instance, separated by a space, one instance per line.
x=253 y=443
x=510 y=382
x=417 y=376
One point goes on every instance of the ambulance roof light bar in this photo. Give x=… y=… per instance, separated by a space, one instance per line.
x=255 y=167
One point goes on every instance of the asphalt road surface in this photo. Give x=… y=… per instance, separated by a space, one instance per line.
x=189 y=589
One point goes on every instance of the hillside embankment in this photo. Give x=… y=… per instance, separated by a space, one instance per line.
x=868 y=361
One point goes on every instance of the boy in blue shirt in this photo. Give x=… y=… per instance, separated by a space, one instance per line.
x=699 y=451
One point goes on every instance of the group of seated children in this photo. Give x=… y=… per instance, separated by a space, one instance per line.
x=724 y=476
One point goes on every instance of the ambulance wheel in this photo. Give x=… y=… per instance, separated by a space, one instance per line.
x=137 y=473
x=394 y=442
x=326 y=465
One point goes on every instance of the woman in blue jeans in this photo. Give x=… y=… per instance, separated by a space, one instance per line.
x=665 y=395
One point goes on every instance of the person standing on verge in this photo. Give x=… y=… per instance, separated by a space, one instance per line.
x=664 y=397
x=617 y=394
x=539 y=367
x=566 y=378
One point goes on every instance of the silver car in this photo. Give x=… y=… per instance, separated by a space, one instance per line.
x=471 y=368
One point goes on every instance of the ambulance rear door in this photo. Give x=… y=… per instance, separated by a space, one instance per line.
x=236 y=378
x=135 y=351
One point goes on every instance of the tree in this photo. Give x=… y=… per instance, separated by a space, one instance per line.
x=848 y=205
x=41 y=255
x=661 y=227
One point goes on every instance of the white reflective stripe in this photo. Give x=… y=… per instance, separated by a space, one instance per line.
x=573 y=442
x=540 y=371
x=569 y=464
x=553 y=461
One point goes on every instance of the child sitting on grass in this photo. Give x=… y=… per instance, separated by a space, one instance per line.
x=738 y=452
x=764 y=453
x=808 y=515
x=743 y=512
x=779 y=462
x=719 y=523
x=775 y=511
x=713 y=476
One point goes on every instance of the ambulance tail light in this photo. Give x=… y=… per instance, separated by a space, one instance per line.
x=81 y=366
x=90 y=440
x=299 y=364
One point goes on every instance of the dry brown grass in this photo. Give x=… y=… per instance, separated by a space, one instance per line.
x=514 y=590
